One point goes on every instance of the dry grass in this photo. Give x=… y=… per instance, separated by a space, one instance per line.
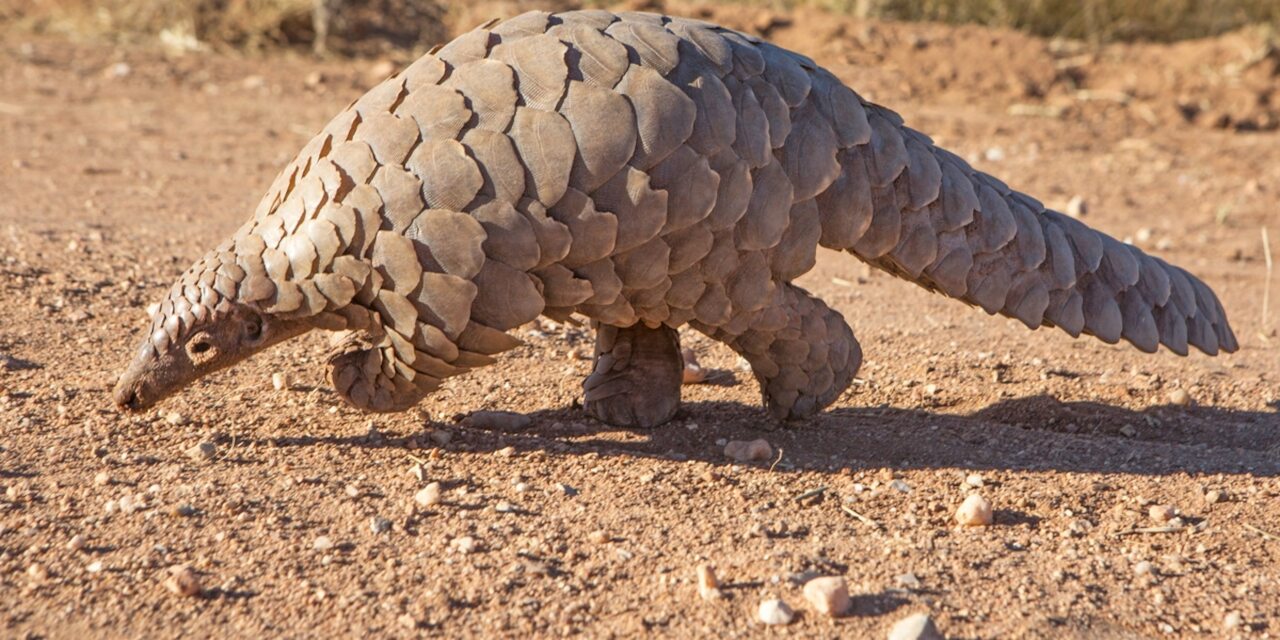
x=1097 y=20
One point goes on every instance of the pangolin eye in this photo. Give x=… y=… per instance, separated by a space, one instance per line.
x=200 y=346
x=253 y=328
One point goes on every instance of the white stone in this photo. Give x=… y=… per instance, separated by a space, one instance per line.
x=775 y=612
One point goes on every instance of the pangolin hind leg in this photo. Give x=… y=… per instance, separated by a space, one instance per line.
x=637 y=375
x=801 y=351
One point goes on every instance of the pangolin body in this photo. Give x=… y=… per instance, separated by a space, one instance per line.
x=646 y=172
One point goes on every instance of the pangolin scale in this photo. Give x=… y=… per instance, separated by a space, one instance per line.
x=647 y=172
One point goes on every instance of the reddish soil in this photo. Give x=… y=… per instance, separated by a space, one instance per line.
x=120 y=166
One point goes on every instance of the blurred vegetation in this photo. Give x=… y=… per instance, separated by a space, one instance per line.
x=354 y=26
x=368 y=26
x=1094 y=20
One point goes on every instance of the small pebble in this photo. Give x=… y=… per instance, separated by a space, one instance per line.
x=183 y=581
x=1179 y=397
x=378 y=524
x=775 y=612
x=1077 y=207
x=1161 y=513
x=522 y=487
x=464 y=545
x=917 y=626
x=419 y=472
x=504 y=507
x=748 y=451
x=498 y=420
x=1232 y=620
x=102 y=479
x=708 y=586
x=77 y=543
x=908 y=581
x=280 y=381
x=1143 y=568
x=203 y=452
x=900 y=486
x=506 y=452
x=974 y=480
x=829 y=595
x=94 y=567
x=37 y=572
x=1213 y=496
x=176 y=419
x=322 y=543
x=975 y=511
x=693 y=372
x=428 y=495
x=441 y=437
x=183 y=510
x=598 y=537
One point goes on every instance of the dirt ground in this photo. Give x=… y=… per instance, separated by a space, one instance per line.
x=119 y=166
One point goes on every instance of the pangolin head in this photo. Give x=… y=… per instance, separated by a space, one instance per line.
x=198 y=330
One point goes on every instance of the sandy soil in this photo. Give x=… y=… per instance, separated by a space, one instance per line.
x=120 y=166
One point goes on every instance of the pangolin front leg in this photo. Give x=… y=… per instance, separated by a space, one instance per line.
x=801 y=351
x=637 y=375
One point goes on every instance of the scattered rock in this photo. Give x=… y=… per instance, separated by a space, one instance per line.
x=322 y=543
x=907 y=581
x=378 y=524
x=176 y=419
x=1214 y=496
x=1077 y=207
x=203 y=452
x=280 y=381
x=182 y=510
x=37 y=572
x=94 y=567
x=428 y=495
x=504 y=507
x=1232 y=621
x=1128 y=431
x=183 y=581
x=419 y=472
x=77 y=543
x=829 y=595
x=974 y=480
x=599 y=537
x=441 y=437
x=464 y=544
x=900 y=486
x=1161 y=513
x=748 y=451
x=775 y=612
x=1179 y=397
x=498 y=420
x=506 y=452
x=102 y=479
x=708 y=586
x=917 y=626
x=1143 y=568
x=975 y=511
x=693 y=372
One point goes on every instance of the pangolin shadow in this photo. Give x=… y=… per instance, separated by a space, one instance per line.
x=1035 y=433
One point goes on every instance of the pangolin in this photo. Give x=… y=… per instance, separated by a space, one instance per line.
x=646 y=172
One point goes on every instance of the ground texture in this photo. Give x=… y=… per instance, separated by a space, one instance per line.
x=120 y=166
